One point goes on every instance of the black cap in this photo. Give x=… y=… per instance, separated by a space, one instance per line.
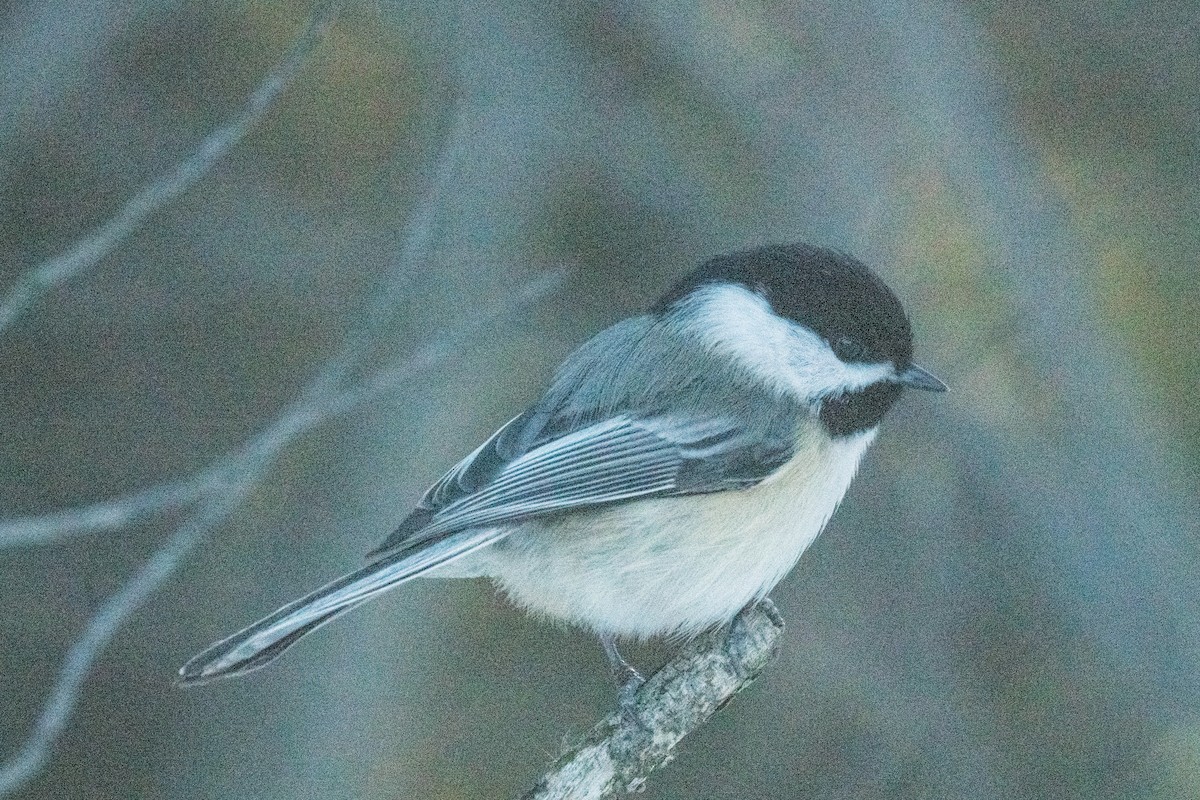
x=832 y=293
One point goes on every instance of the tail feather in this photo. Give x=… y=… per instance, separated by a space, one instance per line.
x=265 y=640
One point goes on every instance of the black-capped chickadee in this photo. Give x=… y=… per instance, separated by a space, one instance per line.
x=674 y=471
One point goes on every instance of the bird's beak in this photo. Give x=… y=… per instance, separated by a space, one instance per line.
x=915 y=377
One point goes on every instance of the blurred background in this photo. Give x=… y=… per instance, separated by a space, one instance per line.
x=1005 y=605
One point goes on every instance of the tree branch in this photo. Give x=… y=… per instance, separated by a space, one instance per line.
x=618 y=755
x=92 y=248
x=118 y=512
x=106 y=515
x=219 y=490
x=237 y=477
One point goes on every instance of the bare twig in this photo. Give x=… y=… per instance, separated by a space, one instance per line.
x=229 y=486
x=619 y=754
x=223 y=486
x=106 y=515
x=91 y=249
x=116 y=513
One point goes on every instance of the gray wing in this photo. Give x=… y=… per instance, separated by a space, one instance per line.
x=597 y=464
x=611 y=428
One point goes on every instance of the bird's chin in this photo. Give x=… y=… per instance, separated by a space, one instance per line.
x=851 y=413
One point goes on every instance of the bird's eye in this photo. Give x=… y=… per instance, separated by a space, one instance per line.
x=848 y=349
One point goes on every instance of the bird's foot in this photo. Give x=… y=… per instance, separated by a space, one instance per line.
x=627 y=698
x=765 y=606
x=771 y=611
x=628 y=681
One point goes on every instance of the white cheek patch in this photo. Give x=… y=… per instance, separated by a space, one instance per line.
x=739 y=323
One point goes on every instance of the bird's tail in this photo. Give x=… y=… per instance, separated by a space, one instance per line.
x=265 y=640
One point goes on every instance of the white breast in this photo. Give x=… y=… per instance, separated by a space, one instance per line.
x=676 y=565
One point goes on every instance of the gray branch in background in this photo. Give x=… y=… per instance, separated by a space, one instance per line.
x=228 y=486
x=221 y=488
x=119 y=512
x=618 y=755
x=106 y=515
x=92 y=248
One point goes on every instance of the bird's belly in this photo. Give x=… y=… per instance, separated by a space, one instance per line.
x=674 y=565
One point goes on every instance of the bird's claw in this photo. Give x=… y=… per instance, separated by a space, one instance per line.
x=627 y=698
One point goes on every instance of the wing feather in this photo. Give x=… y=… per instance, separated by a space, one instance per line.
x=610 y=461
x=601 y=434
x=262 y=642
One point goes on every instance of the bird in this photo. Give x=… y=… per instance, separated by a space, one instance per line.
x=672 y=473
